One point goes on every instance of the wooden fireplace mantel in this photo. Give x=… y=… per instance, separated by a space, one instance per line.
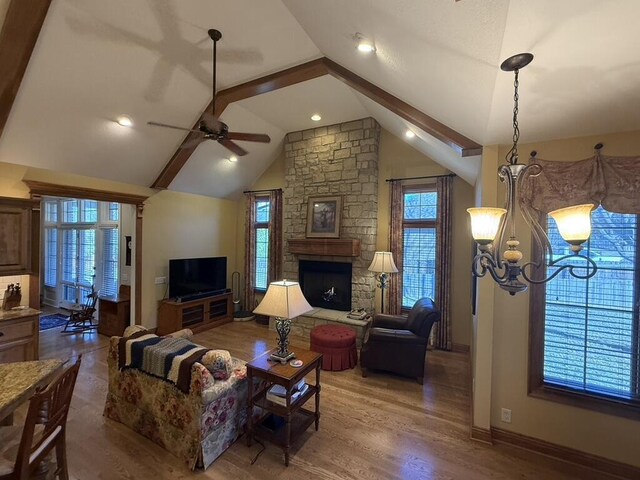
x=335 y=247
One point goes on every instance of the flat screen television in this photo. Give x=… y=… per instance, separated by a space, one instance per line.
x=193 y=276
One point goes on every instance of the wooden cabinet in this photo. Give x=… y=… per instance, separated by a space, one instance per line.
x=115 y=315
x=18 y=247
x=197 y=315
x=19 y=335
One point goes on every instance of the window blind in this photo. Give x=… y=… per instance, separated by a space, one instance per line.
x=591 y=326
x=110 y=255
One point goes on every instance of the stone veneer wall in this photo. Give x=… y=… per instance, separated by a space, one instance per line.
x=335 y=160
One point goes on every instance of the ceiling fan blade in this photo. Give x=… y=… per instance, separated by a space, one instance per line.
x=249 y=137
x=235 y=148
x=212 y=122
x=157 y=124
x=194 y=142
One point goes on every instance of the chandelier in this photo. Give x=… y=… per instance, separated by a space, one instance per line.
x=489 y=225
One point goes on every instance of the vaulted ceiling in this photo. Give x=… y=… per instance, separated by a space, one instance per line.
x=95 y=60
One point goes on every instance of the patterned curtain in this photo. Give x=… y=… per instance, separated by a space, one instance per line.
x=441 y=337
x=250 y=252
x=395 y=247
x=613 y=182
x=275 y=236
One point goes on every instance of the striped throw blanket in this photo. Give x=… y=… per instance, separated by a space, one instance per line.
x=167 y=358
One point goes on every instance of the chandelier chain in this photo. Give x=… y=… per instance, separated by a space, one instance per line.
x=512 y=155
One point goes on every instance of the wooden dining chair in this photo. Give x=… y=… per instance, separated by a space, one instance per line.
x=44 y=429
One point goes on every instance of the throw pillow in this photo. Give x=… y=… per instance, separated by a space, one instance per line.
x=184 y=333
x=131 y=329
x=218 y=362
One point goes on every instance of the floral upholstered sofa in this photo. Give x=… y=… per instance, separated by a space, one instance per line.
x=196 y=427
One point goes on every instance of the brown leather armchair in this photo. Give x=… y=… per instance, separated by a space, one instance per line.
x=397 y=343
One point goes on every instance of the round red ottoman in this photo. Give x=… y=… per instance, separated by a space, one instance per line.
x=337 y=345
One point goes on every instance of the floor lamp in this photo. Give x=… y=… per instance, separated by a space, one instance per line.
x=383 y=265
x=284 y=300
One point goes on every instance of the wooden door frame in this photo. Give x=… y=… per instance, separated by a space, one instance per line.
x=44 y=189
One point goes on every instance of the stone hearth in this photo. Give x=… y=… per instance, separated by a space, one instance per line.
x=302 y=325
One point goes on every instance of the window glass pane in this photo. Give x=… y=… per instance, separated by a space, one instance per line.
x=69 y=293
x=51 y=211
x=419 y=270
x=69 y=255
x=114 y=211
x=420 y=205
x=262 y=211
x=51 y=256
x=589 y=324
x=70 y=211
x=87 y=257
x=262 y=257
x=110 y=255
x=89 y=210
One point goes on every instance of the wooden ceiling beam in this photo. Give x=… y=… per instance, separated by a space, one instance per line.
x=18 y=37
x=308 y=71
x=461 y=144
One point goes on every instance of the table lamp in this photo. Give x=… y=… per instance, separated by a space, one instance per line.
x=284 y=300
x=383 y=264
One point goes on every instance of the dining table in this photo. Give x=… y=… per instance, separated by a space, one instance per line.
x=20 y=380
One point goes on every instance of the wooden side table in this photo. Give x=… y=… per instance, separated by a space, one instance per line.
x=296 y=418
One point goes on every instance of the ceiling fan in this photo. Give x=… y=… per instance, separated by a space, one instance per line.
x=210 y=127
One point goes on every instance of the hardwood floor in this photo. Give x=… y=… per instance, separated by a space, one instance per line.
x=379 y=427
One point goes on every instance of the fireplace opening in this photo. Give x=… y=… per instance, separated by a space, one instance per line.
x=326 y=284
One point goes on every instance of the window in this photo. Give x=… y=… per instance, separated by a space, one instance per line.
x=420 y=211
x=81 y=240
x=591 y=337
x=261 y=226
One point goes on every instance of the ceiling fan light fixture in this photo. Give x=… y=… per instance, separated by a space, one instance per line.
x=124 y=121
x=233 y=159
x=316 y=117
x=364 y=45
x=409 y=133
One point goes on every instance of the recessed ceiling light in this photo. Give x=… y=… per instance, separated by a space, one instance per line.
x=316 y=117
x=409 y=134
x=364 y=44
x=233 y=159
x=124 y=121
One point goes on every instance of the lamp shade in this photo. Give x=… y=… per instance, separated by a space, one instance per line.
x=283 y=299
x=485 y=223
x=383 y=263
x=574 y=223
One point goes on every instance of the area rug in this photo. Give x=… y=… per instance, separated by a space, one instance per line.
x=48 y=322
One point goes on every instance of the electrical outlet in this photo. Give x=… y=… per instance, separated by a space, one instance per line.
x=506 y=415
x=161 y=280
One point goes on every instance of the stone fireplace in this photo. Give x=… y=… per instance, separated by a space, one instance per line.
x=328 y=161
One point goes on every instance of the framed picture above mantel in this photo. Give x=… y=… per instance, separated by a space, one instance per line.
x=323 y=217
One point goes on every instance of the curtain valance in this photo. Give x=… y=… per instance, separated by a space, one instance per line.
x=613 y=182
